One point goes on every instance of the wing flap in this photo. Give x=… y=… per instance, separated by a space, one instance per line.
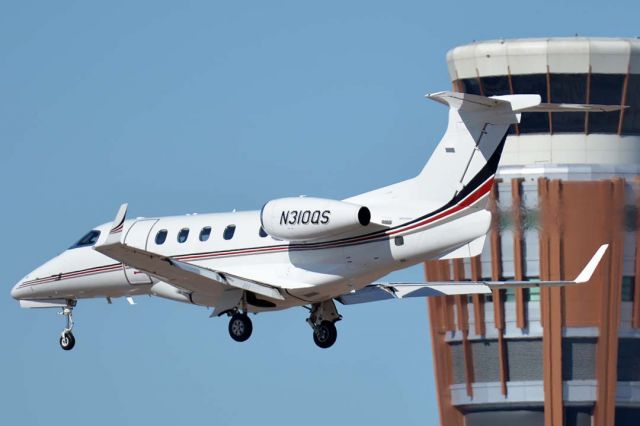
x=377 y=292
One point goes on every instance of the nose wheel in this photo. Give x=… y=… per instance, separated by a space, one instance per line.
x=67 y=339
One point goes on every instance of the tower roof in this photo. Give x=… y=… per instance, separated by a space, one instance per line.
x=564 y=55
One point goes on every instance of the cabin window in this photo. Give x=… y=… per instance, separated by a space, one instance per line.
x=183 y=235
x=262 y=232
x=204 y=233
x=229 y=231
x=161 y=236
x=88 y=239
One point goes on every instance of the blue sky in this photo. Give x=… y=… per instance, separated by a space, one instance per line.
x=180 y=107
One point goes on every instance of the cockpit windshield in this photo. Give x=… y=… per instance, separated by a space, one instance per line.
x=88 y=240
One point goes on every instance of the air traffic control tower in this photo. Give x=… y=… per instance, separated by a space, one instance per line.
x=567 y=183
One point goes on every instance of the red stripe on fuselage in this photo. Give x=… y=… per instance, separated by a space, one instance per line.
x=480 y=192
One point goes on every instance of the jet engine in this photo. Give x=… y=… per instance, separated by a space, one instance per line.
x=308 y=218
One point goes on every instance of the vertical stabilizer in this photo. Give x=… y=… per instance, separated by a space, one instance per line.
x=469 y=152
x=465 y=160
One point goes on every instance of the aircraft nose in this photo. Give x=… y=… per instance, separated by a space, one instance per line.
x=18 y=291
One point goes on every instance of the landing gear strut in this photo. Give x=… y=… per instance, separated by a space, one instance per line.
x=67 y=340
x=240 y=327
x=322 y=320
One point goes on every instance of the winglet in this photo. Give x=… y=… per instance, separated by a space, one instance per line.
x=117 y=226
x=586 y=273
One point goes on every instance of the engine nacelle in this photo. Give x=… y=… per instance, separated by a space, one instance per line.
x=308 y=218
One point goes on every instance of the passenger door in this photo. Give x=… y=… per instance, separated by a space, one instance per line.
x=137 y=236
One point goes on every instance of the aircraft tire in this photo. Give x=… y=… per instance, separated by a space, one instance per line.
x=325 y=334
x=240 y=327
x=67 y=341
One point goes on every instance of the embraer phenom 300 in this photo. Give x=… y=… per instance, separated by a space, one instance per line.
x=305 y=251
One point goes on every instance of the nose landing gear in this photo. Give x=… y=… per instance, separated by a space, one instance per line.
x=67 y=340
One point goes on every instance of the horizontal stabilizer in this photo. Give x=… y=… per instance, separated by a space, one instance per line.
x=546 y=107
x=468 y=102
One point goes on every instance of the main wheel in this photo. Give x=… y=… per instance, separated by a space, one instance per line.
x=240 y=327
x=67 y=341
x=325 y=334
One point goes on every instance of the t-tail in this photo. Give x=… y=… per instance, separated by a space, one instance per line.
x=466 y=159
x=463 y=164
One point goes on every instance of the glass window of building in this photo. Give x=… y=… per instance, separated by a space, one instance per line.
x=568 y=89
x=628 y=284
x=606 y=89
x=509 y=295
x=631 y=123
x=533 y=294
x=183 y=235
x=161 y=236
x=495 y=86
x=204 y=233
x=469 y=85
x=228 y=232
x=532 y=122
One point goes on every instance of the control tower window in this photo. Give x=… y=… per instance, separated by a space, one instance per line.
x=88 y=240
x=568 y=89
x=631 y=123
x=469 y=85
x=605 y=89
x=496 y=86
x=532 y=122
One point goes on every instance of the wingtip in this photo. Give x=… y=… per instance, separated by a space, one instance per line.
x=121 y=216
x=589 y=269
x=116 y=228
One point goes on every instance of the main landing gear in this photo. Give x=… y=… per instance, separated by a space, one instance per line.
x=322 y=320
x=240 y=326
x=67 y=340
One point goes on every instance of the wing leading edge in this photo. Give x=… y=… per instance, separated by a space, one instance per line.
x=384 y=291
x=183 y=275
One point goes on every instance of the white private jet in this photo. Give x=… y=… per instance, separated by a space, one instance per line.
x=305 y=251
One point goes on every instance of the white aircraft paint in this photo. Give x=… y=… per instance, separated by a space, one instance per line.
x=314 y=251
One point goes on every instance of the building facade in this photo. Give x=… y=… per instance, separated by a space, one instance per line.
x=567 y=183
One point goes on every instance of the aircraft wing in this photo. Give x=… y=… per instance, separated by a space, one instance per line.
x=384 y=291
x=179 y=274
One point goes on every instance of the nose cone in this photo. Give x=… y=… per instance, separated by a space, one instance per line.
x=18 y=291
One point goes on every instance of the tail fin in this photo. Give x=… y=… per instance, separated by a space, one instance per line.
x=470 y=150
x=463 y=164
